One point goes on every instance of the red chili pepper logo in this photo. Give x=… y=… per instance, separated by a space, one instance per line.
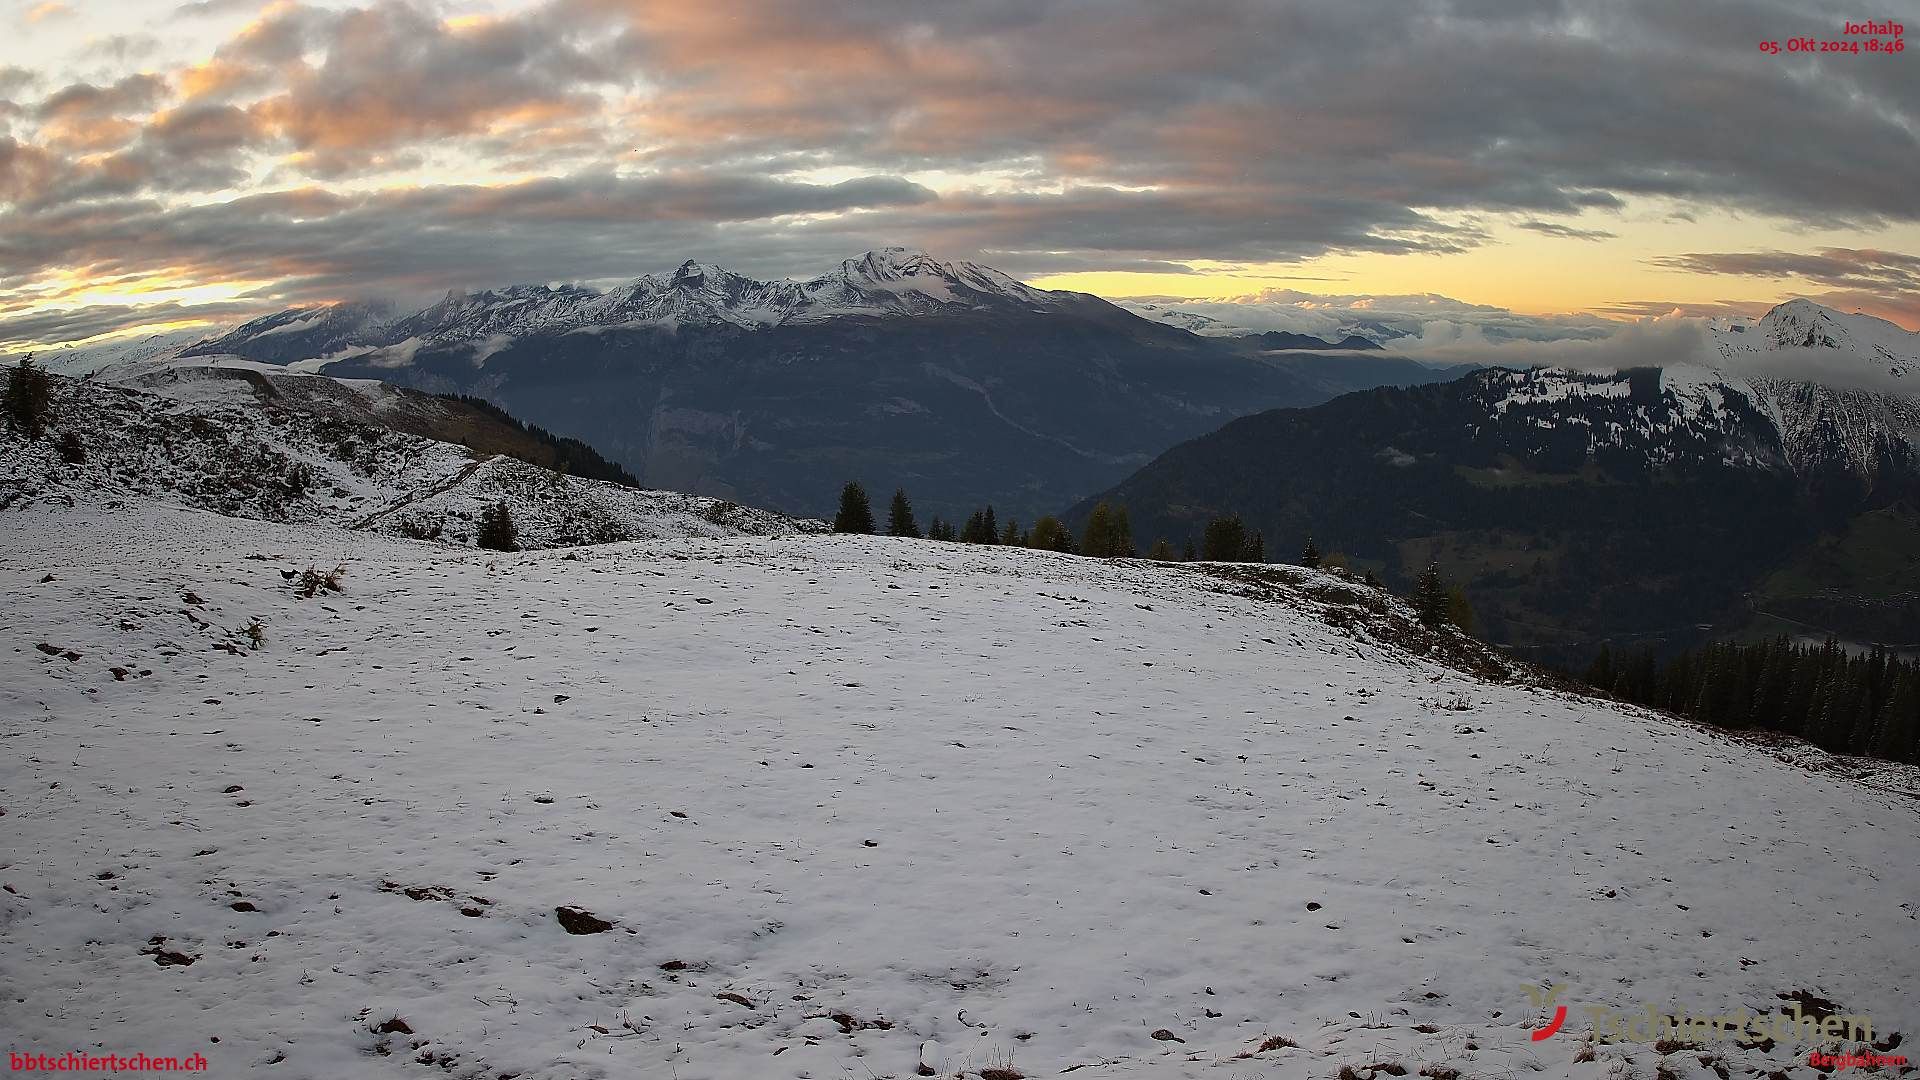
x=1542 y=998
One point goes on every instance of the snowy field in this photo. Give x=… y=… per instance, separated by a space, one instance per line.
x=857 y=808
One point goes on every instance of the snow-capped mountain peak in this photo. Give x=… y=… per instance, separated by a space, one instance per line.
x=906 y=281
x=1827 y=342
x=888 y=282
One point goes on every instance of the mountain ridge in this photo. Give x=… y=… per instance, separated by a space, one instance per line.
x=1627 y=505
x=951 y=379
x=885 y=283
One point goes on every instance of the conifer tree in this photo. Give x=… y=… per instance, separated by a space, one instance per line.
x=856 y=513
x=29 y=398
x=1225 y=540
x=496 y=530
x=1257 y=548
x=1843 y=702
x=900 y=516
x=1430 y=597
x=1310 y=555
x=1459 y=612
x=1107 y=535
x=1050 y=535
x=989 y=528
x=1600 y=673
x=974 y=531
x=1010 y=534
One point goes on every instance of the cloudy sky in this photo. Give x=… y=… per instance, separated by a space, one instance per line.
x=1550 y=164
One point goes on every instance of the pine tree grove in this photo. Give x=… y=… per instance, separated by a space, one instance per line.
x=1846 y=703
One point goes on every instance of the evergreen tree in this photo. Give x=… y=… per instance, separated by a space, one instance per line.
x=1257 y=548
x=1310 y=555
x=496 y=531
x=989 y=528
x=1187 y=554
x=1430 y=597
x=1897 y=736
x=1600 y=673
x=1225 y=540
x=1459 y=612
x=29 y=398
x=1050 y=535
x=1107 y=535
x=900 y=516
x=1845 y=703
x=940 y=530
x=856 y=513
x=975 y=530
x=1010 y=535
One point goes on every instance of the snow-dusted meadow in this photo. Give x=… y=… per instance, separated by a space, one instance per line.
x=860 y=807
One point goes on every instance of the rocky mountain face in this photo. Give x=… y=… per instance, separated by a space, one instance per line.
x=948 y=378
x=1771 y=487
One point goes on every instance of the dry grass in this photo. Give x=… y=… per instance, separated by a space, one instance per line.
x=314 y=581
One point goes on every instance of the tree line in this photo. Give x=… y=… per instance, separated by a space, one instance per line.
x=1840 y=701
x=1108 y=535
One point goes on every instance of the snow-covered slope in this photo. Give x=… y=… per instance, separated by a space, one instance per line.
x=329 y=451
x=888 y=283
x=858 y=807
x=148 y=349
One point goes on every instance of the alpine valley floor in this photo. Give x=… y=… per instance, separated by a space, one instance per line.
x=860 y=807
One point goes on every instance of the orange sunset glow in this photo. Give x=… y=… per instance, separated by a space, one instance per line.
x=231 y=158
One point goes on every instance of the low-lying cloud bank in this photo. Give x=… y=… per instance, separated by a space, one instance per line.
x=1442 y=331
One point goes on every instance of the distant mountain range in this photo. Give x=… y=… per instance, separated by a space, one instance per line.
x=1774 y=486
x=951 y=379
x=1352 y=334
